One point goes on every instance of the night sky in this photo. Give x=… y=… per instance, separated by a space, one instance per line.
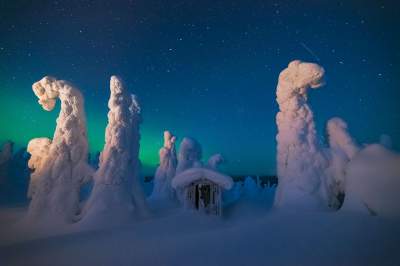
x=206 y=69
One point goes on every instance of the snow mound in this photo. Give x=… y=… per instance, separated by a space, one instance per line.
x=193 y=174
x=373 y=182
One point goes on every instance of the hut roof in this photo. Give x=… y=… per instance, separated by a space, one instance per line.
x=193 y=174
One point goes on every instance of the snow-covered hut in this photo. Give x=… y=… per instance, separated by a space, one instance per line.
x=202 y=189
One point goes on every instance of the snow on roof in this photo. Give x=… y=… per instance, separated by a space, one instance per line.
x=192 y=174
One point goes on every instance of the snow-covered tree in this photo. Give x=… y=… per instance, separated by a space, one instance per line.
x=6 y=152
x=386 y=141
x=189 y=155
x=5 y=159
x=19 y=168
x=215 y=161
x=38 y=149
x=369 y=177
x=372 y=182
x=300 y=160
x=116 y=190
x=342 y=149
x=166 y=170
x=60 y=165
x=339 y=137
x=250 y=188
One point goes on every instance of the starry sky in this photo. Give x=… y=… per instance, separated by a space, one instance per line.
x=205 y=69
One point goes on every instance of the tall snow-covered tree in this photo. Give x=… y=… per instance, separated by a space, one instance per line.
x=189 y=155
x=166 y=170
x=300 y=161
x=116 y=192
x=60 y=165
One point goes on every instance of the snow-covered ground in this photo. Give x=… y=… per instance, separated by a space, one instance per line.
x=249 y=233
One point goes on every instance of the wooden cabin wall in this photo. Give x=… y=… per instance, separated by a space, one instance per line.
x=215 y=205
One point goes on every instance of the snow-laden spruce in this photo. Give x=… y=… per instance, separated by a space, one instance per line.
x=166 y=170
x=60 y=165
x=300 y=161
x=6 y=152
x=116 y=192
x=189 y=155
x=5 y=160
x=372 y=182
x=215 y=161
x=38 y=149
x=386 y=141
x=342 y=148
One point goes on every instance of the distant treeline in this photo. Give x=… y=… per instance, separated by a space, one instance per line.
x=264 y=180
